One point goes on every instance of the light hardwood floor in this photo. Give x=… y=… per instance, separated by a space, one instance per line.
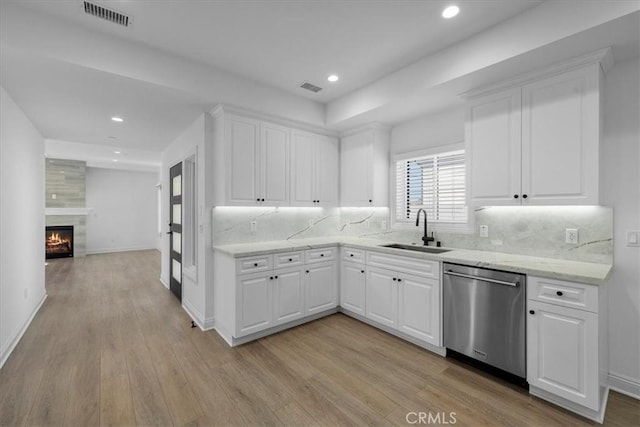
x=112 y=346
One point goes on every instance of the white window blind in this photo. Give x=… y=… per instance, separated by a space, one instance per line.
x=435 y=183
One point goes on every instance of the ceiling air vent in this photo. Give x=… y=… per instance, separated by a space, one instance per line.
x=311 y=87
x=106 y=14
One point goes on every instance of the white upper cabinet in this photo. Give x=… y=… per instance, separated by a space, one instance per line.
x=260 y=162
x=243 y=160
x=561 y=138
x=274 y=165
x=364 y=168
x=537 y=143
x=314 y=169
x=493 y=130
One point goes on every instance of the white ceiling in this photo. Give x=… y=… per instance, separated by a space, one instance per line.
x=71 y=72
x=285 y=42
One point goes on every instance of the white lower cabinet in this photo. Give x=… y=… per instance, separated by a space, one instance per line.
x=253 y=302
x=268 y=299
x=566 y=347
x=563 y=352
x=382 y=296
x=419 y=308
x=256 y=293
x=288 y=295
x=406 y=302
x=352 y=287
x=321 y=286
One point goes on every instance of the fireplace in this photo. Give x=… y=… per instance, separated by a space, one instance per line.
x=59 y=241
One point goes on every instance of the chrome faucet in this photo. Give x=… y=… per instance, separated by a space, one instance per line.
x=426 y=239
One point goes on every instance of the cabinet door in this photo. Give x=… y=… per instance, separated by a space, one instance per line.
x=302 y=168
x=419 y=308
x=274 y=165
x=288 y=296
x=493 y=149
x=326 y=171
x=321 y=288
x=562 y=352
x=352 y=288
x=253 y=304
x=560 y=138
x=243 y=162
x=355 y=169
x=382 y=296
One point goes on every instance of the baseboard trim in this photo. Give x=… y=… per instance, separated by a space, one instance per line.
x=624 y=385
x=114 y=250
x=209 y=324
x=6 y=352
x=163 y=282
x=597 y=416
x=440 y=351
x=232 y=341
x=193 y=313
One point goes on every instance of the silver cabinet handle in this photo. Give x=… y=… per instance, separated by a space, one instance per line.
x=484 y=279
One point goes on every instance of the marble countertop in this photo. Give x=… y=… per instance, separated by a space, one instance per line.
x=583 y=272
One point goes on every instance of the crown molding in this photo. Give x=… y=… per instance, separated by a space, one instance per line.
x=603 y=57
x=221 y=109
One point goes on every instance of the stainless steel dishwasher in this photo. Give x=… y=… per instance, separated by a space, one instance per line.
x=484 y=316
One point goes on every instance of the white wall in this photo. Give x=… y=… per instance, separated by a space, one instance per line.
x=124 y=210
x=22 y=289
x=621 y=190
x=428 y=131
x=197 y=286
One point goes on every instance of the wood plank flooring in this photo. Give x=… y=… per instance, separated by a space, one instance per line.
x=112 y=346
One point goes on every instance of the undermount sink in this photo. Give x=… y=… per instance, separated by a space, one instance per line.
x=416 y=248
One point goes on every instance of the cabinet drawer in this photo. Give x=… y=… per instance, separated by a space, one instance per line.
x=566 y=294
x=353 y=255
x=421 y=267
x=320 y=255
x=254 y=264
x=289 y=259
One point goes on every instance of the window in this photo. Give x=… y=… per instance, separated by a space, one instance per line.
x=435 y=183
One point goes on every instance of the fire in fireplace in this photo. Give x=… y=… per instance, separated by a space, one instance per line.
x=59 y=241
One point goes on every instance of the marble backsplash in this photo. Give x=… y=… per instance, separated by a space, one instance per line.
x=538 y=231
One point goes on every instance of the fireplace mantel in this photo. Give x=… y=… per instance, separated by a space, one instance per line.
x=67 y=211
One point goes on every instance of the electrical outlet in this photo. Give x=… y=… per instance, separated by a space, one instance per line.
x=571 y=236
x=254 y=226
x=311 y=223
x=368 y=223
x=383 y=225
x=496 y=242
x=54 y=196
x=633 y=238
x=484 y=231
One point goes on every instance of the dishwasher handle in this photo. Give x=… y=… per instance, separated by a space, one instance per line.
x=484 y=279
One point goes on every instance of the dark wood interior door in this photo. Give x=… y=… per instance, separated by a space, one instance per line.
x=175 y=230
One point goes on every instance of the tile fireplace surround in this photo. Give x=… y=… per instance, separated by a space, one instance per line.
x=65 y=188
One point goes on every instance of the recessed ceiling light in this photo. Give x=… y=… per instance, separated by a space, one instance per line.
x=117 y=119
x=333 y=78
x=116 y=152
x=450 y=12
x=115 y=160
